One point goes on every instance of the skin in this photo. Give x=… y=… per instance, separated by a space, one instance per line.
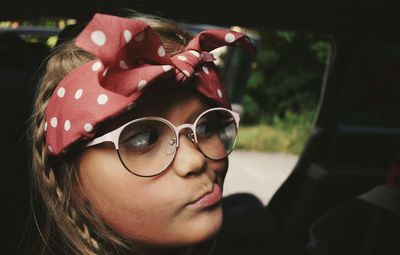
x=156 y=211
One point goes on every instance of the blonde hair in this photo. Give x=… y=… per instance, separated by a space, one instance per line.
x=67 y=224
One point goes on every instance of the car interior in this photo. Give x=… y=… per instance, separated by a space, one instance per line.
x=343 y=196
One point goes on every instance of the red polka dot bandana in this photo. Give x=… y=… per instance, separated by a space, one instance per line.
x=130 y=56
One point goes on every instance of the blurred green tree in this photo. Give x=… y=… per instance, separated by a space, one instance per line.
x=286 y=77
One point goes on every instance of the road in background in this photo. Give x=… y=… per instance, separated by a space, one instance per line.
x=258 y=173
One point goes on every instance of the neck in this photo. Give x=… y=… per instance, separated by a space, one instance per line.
x=159 y=251
x=205 y=248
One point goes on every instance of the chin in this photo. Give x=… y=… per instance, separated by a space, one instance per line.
x=196 y=229
x=204 y=227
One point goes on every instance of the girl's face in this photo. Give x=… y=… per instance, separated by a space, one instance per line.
x=159 y=210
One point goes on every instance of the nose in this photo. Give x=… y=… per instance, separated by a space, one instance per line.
x=188 y=159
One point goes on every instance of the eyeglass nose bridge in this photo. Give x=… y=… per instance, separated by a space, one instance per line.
x=192 y=133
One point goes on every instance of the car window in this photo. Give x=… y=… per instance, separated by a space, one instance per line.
x=370 y=96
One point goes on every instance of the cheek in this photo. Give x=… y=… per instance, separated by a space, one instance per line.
x=150 y=210
x=127 y=203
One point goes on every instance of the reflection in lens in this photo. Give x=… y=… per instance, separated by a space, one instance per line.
x=147 y=147
x=171 y=148
x=216 y=133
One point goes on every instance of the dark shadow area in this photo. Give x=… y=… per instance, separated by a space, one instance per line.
x=19 y=61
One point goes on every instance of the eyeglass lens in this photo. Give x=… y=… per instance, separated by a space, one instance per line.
x=147 y=147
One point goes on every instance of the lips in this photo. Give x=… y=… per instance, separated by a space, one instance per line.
x=210 y=198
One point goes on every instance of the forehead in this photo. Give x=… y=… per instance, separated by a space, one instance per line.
x=164 y=100
x=178 y=104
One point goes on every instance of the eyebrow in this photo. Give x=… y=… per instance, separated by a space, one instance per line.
x=196 y=114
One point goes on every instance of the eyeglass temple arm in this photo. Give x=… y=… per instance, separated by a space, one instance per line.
x=109 y=137
x=237 y=117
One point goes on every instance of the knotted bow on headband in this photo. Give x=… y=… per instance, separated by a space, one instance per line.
x=131 y=56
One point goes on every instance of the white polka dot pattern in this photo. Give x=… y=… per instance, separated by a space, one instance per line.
x=127 y=36
x=78 y=94
x=166 y=68
x=61 y=92
x=102 y=99
x=182 y=58
x=105 y=71
x=53 y=122
x=205 y=69
x=98 y=37
x=219 y=93
x=123 y=65
x=67 y=125
x=142 y=84
x=230 y=38
x=88 y=127
x=161 y=51
x=96 y=66
x=194 y=53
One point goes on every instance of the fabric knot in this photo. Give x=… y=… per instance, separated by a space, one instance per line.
x=189 y=63
x=186 y=64
x=207 y=56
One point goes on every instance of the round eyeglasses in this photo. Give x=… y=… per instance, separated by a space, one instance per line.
x=147 y=146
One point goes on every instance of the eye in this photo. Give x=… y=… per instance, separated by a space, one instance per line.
x=206 y=127
x=140 y=140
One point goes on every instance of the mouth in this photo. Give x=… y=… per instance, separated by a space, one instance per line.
x=209 y=198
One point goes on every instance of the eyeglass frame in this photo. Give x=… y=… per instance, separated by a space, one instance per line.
x=113 y=136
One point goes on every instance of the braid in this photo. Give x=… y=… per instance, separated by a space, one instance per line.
x=59 y=203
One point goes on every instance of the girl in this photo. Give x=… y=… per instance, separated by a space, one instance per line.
x=130 y=138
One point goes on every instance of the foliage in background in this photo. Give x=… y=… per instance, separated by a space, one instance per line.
x=43 y=26
x=286 y=134
x=287 y=76
x=283 y=91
